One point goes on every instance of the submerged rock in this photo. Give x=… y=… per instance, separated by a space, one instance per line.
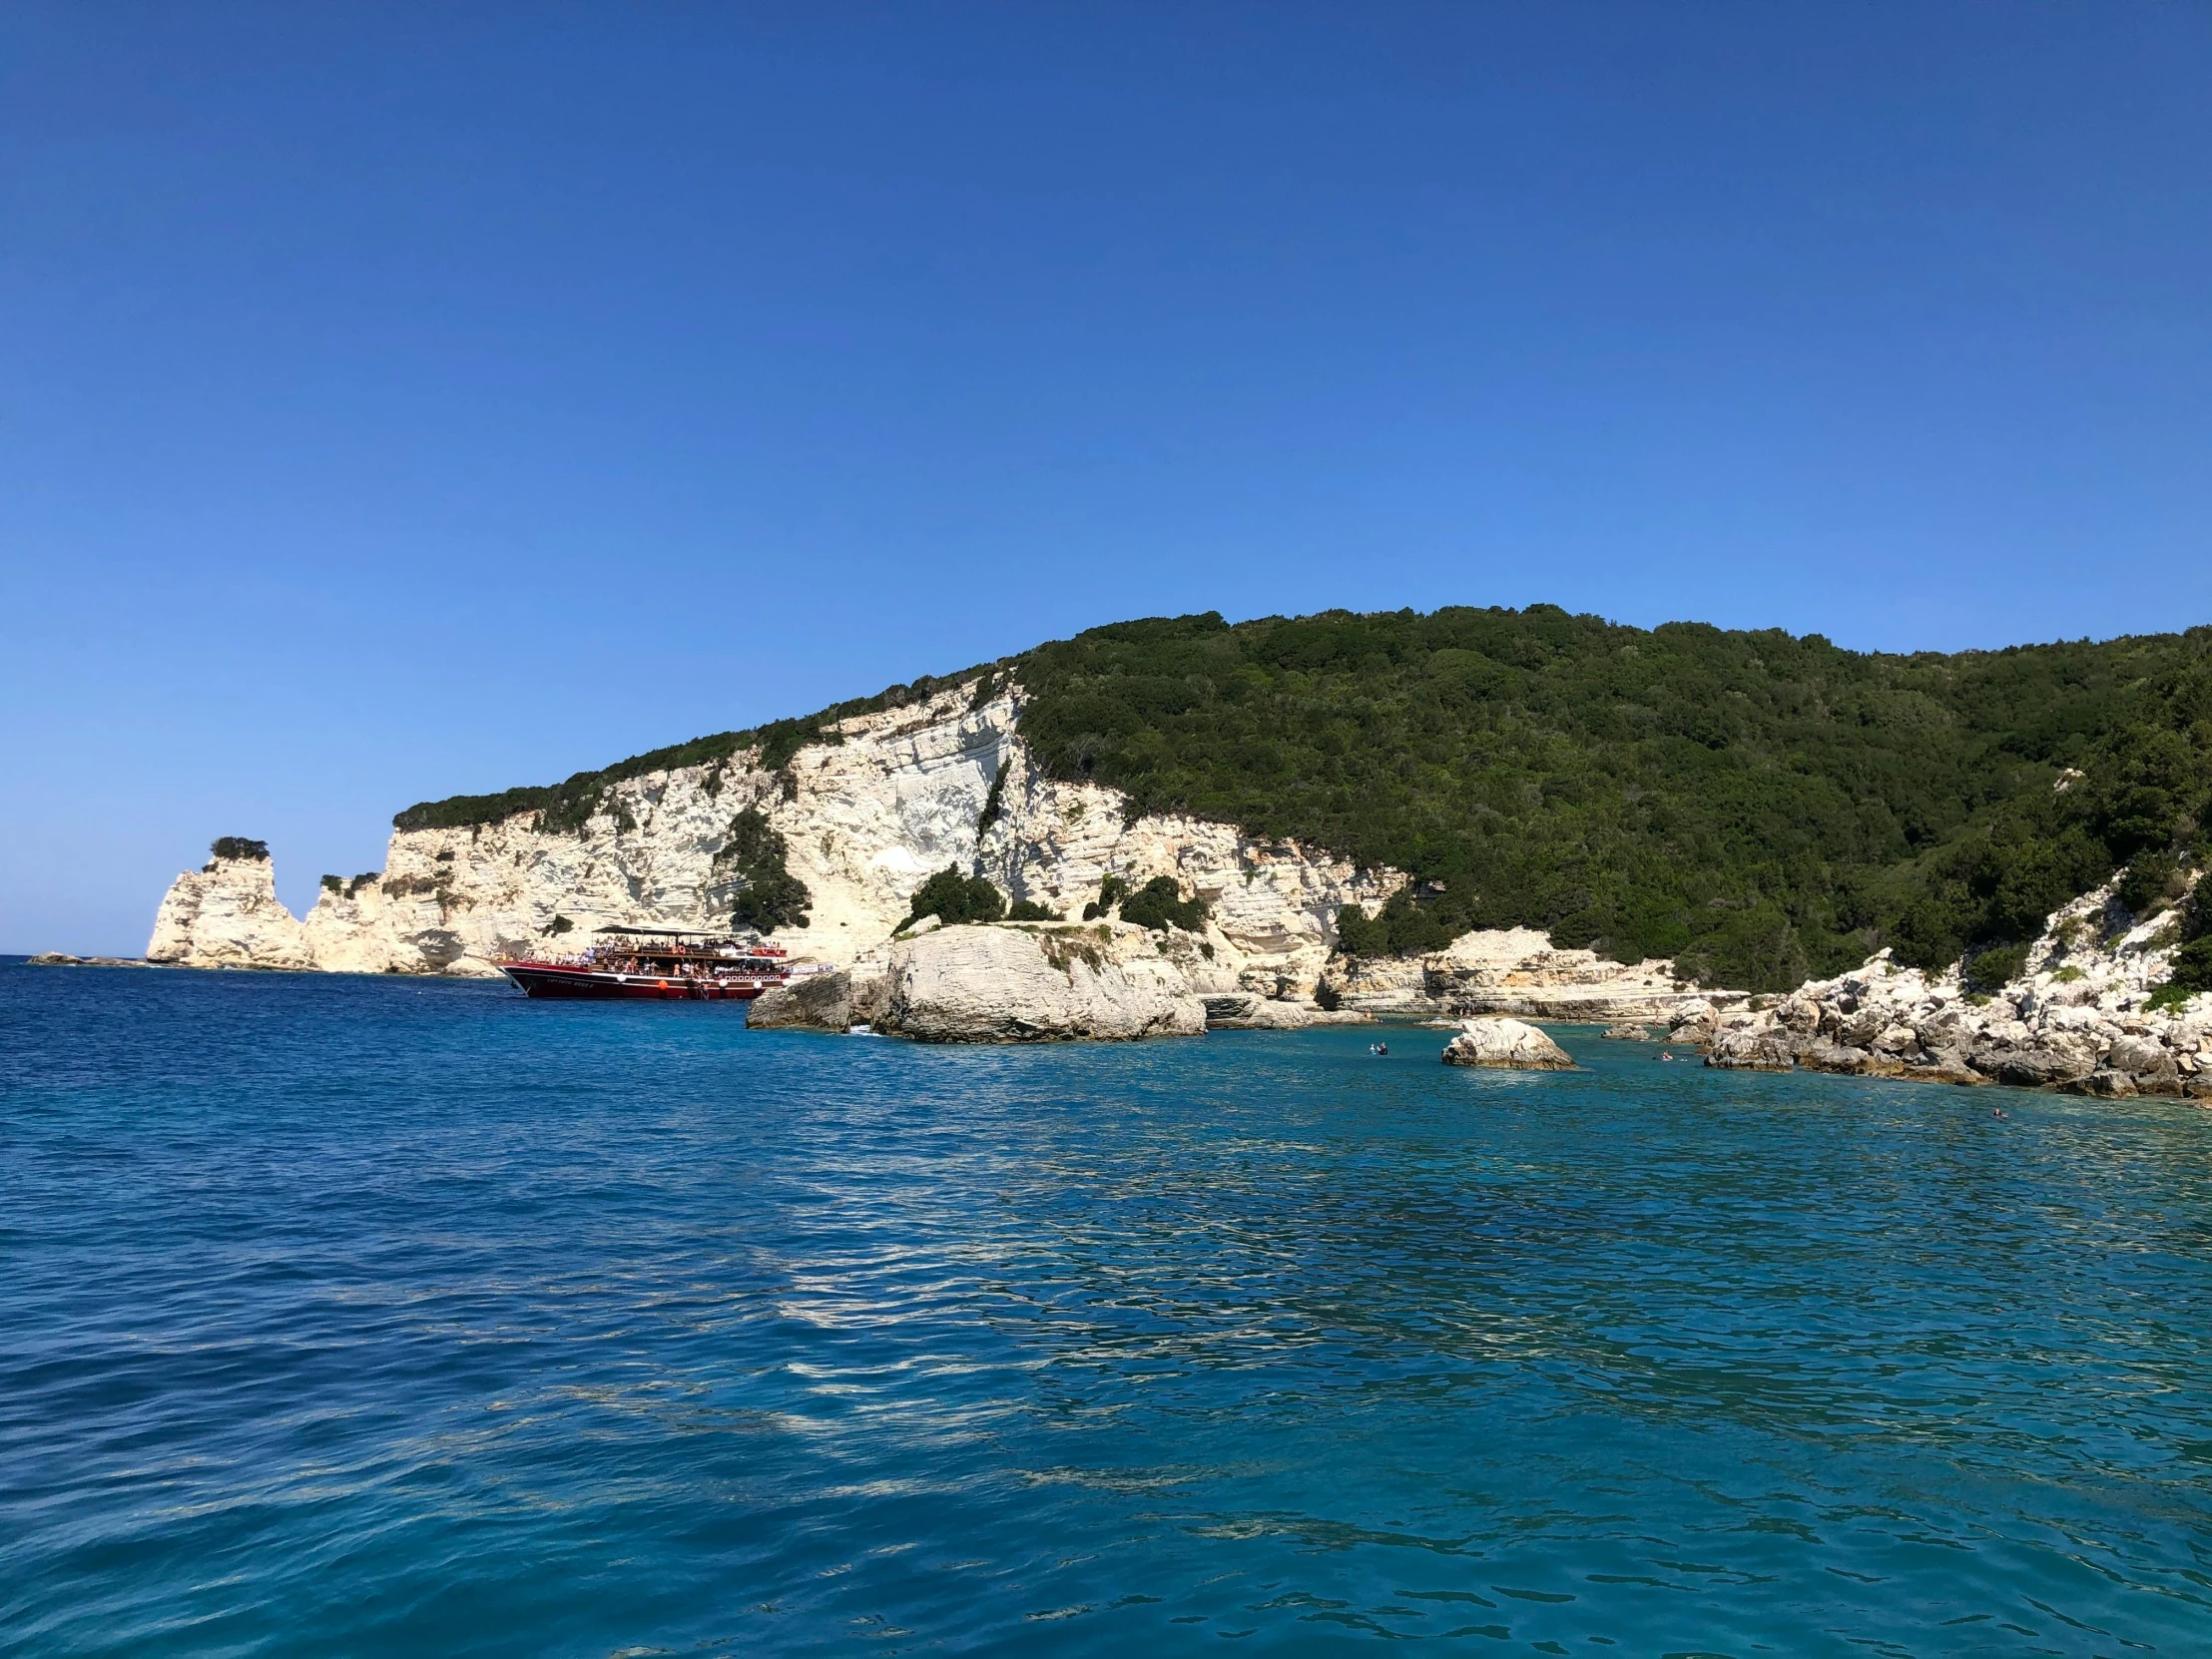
x=1006 y=983
x=1509 y=1044
x=2109 y=1084
x=1628 y=1033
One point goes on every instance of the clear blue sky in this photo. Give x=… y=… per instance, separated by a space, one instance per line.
x=373 y=377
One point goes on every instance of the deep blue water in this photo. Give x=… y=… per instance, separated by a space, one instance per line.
x=353 y=1317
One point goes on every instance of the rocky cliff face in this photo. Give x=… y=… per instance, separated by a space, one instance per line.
x=864 y=819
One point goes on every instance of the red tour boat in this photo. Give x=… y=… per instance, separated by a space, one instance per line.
x=663 y=965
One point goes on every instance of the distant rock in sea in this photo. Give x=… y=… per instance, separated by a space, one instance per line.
x=1508 y=1044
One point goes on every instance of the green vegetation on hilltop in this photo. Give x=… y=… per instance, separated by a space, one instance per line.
x=1757 y=805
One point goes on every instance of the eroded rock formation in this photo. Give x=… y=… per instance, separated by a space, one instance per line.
x=813 y=1002
x=228 y=914
x=1507 y=1044
x=889 y=797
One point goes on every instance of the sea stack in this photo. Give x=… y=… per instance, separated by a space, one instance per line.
x=1507 y=1044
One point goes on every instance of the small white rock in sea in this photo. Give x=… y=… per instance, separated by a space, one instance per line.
x=1508 y=1044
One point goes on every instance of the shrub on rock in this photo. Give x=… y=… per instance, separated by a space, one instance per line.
x=955 y=899
x=1159 y=903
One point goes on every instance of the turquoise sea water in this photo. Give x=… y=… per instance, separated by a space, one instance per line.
x=366 y=1316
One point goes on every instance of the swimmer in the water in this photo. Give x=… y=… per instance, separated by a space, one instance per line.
x=1664 y=1055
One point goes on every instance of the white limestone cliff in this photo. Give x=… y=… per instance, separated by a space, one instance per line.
x=865 y=819
x=228 y=914
x=1033 y=983
x=900 y=794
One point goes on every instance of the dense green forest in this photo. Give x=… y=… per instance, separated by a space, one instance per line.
x=1761 y=807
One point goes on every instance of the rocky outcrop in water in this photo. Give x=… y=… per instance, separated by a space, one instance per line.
x=812 y=1003
x=888 y=799
x=1506 y=1045
x=864 y=820
x=228 y=914
x=1034 y=983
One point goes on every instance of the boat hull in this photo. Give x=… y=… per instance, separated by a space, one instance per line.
x=547 y=979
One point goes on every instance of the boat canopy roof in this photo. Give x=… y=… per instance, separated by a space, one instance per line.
x=665 y=933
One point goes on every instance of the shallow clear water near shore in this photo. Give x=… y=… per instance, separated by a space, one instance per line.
x=364 y=1316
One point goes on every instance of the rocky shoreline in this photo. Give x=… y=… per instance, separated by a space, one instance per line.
x=1517 y=971
x=864 y=817
x=2075 y=1019
x=1026 y=982
x=866 y=812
